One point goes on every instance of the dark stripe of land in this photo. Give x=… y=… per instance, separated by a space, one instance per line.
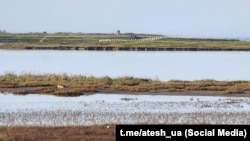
x=114 y=42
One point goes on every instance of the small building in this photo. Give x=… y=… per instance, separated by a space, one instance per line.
x=118 y=32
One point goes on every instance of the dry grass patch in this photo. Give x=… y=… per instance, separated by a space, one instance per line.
x=69 y=133
x=79 y=85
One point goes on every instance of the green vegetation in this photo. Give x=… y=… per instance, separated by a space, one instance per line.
x=4 y=139
x=80 y=41
x=76 y=85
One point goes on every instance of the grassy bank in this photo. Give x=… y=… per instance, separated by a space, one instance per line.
x=75 y=85
x=92 y=42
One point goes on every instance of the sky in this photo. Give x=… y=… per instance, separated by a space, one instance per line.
x=192 y=18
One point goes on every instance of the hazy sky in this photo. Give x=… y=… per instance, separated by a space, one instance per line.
x=197 y=18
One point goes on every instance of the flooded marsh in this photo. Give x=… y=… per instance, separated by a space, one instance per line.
x=45 y=110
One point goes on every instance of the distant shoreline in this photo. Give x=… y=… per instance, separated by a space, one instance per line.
x=117 y=42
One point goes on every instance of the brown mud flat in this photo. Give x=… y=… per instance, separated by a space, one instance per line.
x=67 y=133
x=33 y=90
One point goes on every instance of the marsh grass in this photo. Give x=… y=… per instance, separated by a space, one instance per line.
x=79 y=85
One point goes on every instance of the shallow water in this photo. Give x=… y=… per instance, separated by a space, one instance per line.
x=46 y=110
x=165 y=65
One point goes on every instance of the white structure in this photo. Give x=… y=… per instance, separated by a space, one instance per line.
x=154 y=38
x=60 y=86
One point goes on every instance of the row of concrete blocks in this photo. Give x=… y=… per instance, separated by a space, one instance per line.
x=135 y=40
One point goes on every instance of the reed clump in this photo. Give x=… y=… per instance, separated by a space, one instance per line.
x=74 y=85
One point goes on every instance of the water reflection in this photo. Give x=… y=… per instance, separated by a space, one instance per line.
x=183 y=65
